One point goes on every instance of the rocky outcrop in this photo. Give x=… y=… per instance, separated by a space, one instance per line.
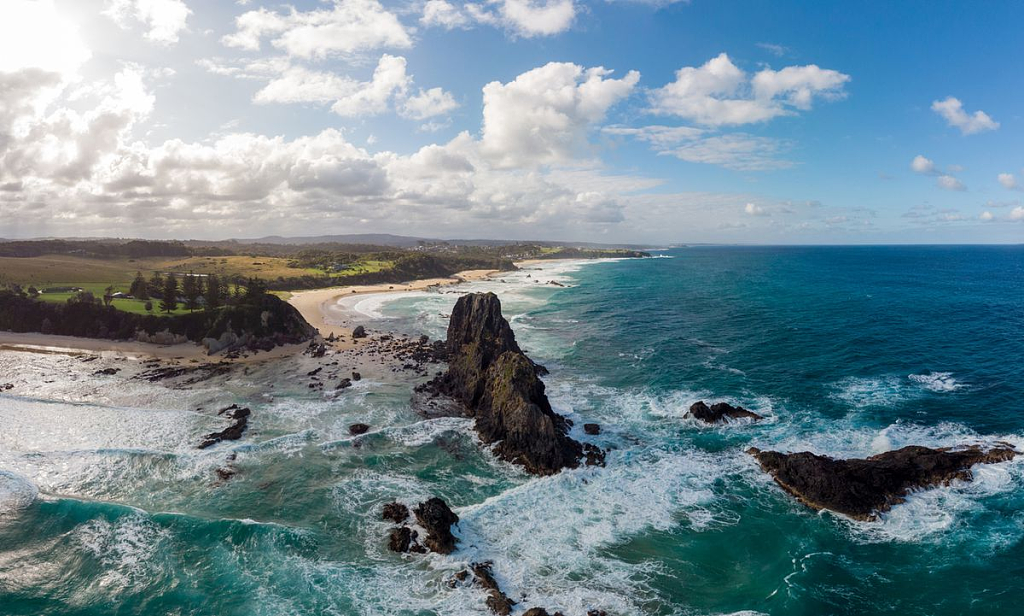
x=499 y=386
x=396 y=512
x=719 y=413
x=358 y=428
x=497 y=601
x=863 y=488
x=437 y=519
x=240 y=417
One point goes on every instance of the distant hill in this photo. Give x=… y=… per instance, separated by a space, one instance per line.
x=405 y=241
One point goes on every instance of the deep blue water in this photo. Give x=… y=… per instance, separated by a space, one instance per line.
x=848 y=351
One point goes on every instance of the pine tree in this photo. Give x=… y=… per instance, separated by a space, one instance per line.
x=190 y=289
x=156 y=285
x=139 y=289
x=169 y=303
x=213 y=296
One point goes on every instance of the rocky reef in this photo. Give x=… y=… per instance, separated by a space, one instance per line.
x=719 y=412
x=861 y=488
x=495 y=383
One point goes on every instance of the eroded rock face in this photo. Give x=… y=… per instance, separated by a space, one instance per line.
x=396 y=512
x=500 y=387
x=720 y=412
x=862 y=488
x=437 y=519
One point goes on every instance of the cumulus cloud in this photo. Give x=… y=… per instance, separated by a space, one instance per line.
x=922 y=165
x=986 y=216
x=948 y=182
x=428 y=103
x=543 y=115
x=349 y=26
x=754 y=210
x=1017 y=213
x=719 y=93
x=953 y=111
x=525 y=18
x=165 y=18
x=1009 y=181
x=34 y=34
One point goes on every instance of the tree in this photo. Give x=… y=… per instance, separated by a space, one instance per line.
x=169 y=302
x=214 y=295
x=108 y=295
x=33 y=291
x=139 y=290
x=191 y=289
x=156 y=285
x=255 y=289
x=148 y=306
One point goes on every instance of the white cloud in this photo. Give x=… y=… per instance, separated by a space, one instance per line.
x=443 y=14
x=922 y=165
x=720 y=93
x=428 y=103
x=948 y=182
x=1017 y=213
x=388 y=87
x=543 y=115
x=1009 y=181
x=753 y=209
x=738 y=151
x=348 y=27
x=953 y=111
x=776 y=50
x=164 y=18
x=986 y=216
x=525 y=18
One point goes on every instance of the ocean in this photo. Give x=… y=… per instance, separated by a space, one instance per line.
x=107 y=507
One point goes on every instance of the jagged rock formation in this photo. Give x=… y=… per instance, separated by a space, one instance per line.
x=240 y=417
x=435 y=516
x=499 y=386
x=497 y=601
x=396 y=512
x=862 y=488
x=720 y=412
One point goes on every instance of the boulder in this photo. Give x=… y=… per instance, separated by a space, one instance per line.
x=344 y=383
x=720 y=412
x=861 y=488
x=437 y=519
x=396 y=512
x=358 y=428
x=400 y=539
x=499 y=386
x=592 y=429
x=359 y=332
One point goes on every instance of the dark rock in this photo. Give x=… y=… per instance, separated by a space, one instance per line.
x=396 y=512
x=107 y=371
x=7 y=386
x=539 y=611
x=240 y=415
x=316 y=350
x=356 y=376
x=592 y=429
x=597 y=613
x=862 y=488
x=719 y=412
x=401 y=539
x=344 y=383
x=498 y=385
x=437 y=519
x=315 y=372
x=497 y=601
x=359 y=332
x=358 y=428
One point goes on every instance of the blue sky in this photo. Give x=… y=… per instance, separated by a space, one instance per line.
x=696 y=121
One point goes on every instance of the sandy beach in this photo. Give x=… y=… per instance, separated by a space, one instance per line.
x=313 y=304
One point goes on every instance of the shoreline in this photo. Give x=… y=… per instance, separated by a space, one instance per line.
x=311 y=304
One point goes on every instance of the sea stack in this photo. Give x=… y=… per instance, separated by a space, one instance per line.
x=863 y=488
x=499 y=386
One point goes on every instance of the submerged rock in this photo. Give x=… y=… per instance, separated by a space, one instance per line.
x=497 y=601
x=499 y=386
x=358 y=428
x=240 y=415
x=863 y=488
x=592 y=429
x=720 y=412
x=437 y=519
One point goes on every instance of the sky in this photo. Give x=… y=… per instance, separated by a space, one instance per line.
x=620 y=121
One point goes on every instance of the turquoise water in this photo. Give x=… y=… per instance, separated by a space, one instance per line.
x=106 y=507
